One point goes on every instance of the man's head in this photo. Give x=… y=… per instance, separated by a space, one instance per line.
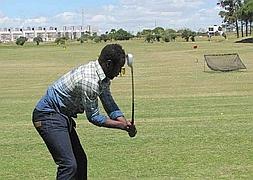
x=112 y=59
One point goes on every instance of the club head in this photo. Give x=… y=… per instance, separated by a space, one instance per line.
x=130 y=59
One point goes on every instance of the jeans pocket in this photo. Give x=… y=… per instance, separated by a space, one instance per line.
x=46 y=122
x=41 y=127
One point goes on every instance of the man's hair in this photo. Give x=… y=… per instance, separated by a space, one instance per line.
x=113 y=52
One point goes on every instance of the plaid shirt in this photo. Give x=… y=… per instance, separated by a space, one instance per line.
x=78 y=91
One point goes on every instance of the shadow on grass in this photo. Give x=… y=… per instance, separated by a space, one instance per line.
x=248 y=40
x=220 y=72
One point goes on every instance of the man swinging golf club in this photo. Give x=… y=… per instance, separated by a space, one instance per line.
x=78 y=92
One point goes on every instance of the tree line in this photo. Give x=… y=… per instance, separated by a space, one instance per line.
x=149 y=35
x=238 y=13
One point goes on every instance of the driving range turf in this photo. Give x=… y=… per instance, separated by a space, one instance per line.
x=191 y=124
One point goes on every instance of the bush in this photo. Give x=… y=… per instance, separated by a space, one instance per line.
x=122 y=35
x=61 y=40
x=166 y=38
x=97 y=39
x=21 y=41
x=149 y=38
x=83 y=38
x=38 y=40
x=224 y=35
x=188 y=34
x=169 y=36
x=173 y=37
x=104 y=37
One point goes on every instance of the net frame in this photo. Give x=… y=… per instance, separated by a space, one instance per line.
x=236 y=57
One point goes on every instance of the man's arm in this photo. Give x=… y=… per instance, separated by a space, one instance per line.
x=114 y=112
x=101 y=120
x=118 y=124
x=109 y=104
x=116 y=120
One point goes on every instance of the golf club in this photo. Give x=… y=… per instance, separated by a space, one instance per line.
x=133 y=130
x=130 y=64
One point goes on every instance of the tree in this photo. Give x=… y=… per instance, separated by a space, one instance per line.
x=104 y=37
x=193 y=34
x=144 y=33
x=97 y=39
x=149 y=37
x=138 y=35
x=166 y=37
x=244 y=14
x=169 y=35
x=186 y=34
x=81 y=40
x=247 y=14
x=111 y=34
x=121 y=34
x=38 y=40
x=231 y=12
x=21 y=40
x=147 y=34
x=84 y=37
x=158 y=33
x=173 y=36
x=61 y=40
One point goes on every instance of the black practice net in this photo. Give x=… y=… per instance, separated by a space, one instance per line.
x=224 y=62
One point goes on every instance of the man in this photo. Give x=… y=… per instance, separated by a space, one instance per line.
x=77 y=92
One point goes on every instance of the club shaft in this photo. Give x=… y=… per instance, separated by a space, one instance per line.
x=132 y=74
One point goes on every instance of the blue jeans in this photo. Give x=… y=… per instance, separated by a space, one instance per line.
x=59 y=134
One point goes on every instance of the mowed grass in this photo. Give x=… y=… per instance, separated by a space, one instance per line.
x=191 y=124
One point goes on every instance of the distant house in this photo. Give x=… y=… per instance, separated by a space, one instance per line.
x=214 y=30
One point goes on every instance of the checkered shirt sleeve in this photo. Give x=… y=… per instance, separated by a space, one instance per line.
x=79 y=91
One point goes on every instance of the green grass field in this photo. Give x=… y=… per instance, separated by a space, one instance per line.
x=191 y=124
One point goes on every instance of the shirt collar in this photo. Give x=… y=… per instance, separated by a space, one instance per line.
x=99 y=71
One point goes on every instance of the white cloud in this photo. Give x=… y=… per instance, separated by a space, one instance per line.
x=169 y=5
x=109 y=8
x=18 y=22
x=66 y=19
x=170 y=13
x=4 y=20
x=66 y=16
x=133 y=14
x=98 y=18
x=101 y=19
x=1 y=15
x=10 y=22
x=37 y=21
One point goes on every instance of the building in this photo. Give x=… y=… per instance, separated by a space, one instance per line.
x=47 y=34
x=214 y=30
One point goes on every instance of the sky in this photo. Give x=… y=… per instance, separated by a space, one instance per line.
x=104 y=15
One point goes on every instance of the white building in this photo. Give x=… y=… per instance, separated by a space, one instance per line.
x=213 y=30
x=47 y=34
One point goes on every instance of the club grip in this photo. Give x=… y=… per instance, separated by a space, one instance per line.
x=132 y=131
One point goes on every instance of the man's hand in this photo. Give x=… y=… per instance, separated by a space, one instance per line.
x=130 y=128
x=132 y=131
